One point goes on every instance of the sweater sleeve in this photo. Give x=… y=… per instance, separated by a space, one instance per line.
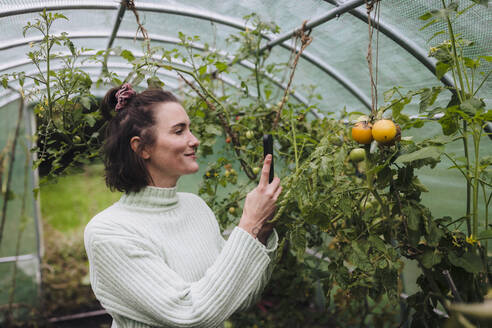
x=131 y=280
x=253 y=297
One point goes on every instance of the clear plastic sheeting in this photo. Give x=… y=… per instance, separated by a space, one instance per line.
x=21 y=248
x=334 y=65
x=340 y=43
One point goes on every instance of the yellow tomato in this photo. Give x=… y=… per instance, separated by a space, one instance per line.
x=384 y=131
x=361 y=132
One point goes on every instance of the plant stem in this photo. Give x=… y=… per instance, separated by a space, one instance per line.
x=257 y=64
x=370 y=184
x=293 y=128
x=457 y=166
x=453 y=44
x=48 y=61
x=486 y=202
x=483 y=81
x=463 y=68
x=476 y=143
x=468 y=184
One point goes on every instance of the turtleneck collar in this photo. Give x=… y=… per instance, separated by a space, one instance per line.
x=152 y=198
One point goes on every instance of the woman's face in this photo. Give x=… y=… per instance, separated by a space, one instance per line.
x=174 y=152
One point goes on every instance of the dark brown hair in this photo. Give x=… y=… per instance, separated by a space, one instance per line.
x=124 y=169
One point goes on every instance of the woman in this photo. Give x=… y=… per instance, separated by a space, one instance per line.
x=157 y=258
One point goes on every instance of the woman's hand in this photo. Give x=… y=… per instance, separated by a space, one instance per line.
x=259 y=205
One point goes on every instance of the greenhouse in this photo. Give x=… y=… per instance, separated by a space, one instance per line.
x=380 y=123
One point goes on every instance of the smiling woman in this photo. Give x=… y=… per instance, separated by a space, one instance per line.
x=173 y=152
x=156 y=256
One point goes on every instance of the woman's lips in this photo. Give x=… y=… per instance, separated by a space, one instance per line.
x=192 y=155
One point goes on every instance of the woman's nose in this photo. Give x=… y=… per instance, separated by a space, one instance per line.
x=194 y=142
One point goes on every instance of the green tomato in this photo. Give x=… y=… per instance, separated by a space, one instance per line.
x=357 y=154
x=256 y=170
x=232 y=210
x=250 y=134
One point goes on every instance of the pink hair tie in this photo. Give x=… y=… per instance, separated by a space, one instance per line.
x=124 y=93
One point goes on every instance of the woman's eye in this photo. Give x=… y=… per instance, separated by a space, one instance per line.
x=179 y=131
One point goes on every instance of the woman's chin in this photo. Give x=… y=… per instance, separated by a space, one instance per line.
x=193 y=169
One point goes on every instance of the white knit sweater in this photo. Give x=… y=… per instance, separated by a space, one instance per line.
x=157 y=259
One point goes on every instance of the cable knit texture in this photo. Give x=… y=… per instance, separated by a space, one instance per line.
x=157 y=259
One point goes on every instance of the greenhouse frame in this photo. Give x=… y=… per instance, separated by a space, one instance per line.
x=422 y=65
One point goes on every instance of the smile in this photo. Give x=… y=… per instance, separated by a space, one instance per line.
x=192 y=155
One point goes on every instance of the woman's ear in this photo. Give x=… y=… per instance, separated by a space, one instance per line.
x=135 y=144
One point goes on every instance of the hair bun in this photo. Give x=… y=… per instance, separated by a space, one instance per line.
x=109 y=103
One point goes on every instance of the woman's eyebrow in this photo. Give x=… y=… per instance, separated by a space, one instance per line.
x=181 y=125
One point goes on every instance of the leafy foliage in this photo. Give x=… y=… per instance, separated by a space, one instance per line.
x=358 y=219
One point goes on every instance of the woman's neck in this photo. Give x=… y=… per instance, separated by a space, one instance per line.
x=164 y=182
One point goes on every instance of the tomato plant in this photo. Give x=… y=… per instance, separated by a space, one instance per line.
x=351 y=209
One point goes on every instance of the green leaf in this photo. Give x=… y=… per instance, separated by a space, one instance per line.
x=486 y=234
x=221 y=66
x=487 y=116
x=435 y=234
x=319 y=296
x=487 y=58
x=444 y=56
x=453 y=6
x=430 y=258
x=441 y=69
x=202 y=70
x=58 y=15
x=449 y=124
x=377 y=243
x=86 y=102
x=137 y=79
x=441 y=140
x=154 y=82
x=471 y=106
x=470 y=261
x=445 y=12
x=389 y=94
x=428 y=97
x=90 y=119
x=425 y=16
x=428 y=24
x=128 y=55
x=245 y=87
x=482 y=2
x=436 y=34
x=433 y=152
x=298 y=241
x=473 y=64
x=213 y=129
x=413 y=218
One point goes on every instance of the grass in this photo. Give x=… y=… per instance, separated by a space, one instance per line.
x=67 y=205
x=69 y=202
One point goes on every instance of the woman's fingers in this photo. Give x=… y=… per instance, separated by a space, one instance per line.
x=277 y=193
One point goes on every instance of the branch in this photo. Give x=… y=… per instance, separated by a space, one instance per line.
x=305 y=41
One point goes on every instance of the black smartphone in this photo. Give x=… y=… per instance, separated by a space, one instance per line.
x=268 y=149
